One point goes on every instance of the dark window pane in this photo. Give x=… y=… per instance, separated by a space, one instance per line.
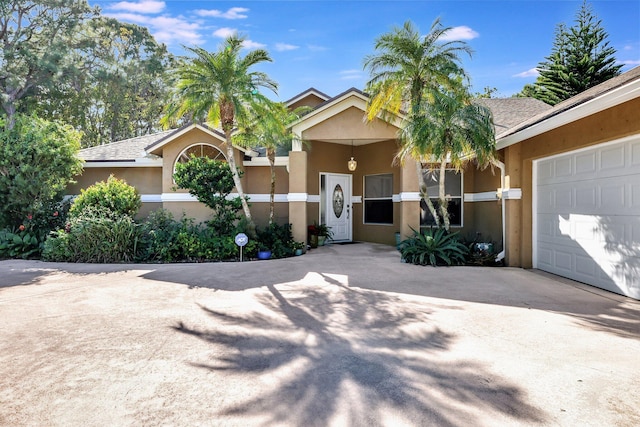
x=378 y=211
x=378 y=186
x=455 y=212
x=452 y=182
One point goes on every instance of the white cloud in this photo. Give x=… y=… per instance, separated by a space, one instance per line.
x=350 y=74
x=316 y=48
x=233 y=13
x=459 y=33
x=631 y=62
x=144 y=6
x=250 y=44
x=224 y=32
x=282 y=47
x=165 y=29
x=529 y=73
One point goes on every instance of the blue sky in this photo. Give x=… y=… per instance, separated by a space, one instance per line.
x=322 y=44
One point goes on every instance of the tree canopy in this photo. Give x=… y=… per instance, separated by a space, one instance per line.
x=422 y=75
x=36 y=37
x=580 y=58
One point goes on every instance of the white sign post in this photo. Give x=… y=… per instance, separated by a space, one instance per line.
x=241 y=240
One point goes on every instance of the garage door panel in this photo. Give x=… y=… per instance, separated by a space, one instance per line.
x=588 y=216
x=634 y=150
x=612 y=158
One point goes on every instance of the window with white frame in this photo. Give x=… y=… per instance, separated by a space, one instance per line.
x=453 y=191
x=378 y=199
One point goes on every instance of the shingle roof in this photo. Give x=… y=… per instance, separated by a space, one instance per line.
x=581 y=98
x=508 y=112
x=123 y=151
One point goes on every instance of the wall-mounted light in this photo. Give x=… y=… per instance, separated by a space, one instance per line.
x=352 y=164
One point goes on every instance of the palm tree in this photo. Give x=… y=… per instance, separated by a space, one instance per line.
x=218 y=87
x=407 y=65
x=406 y=72
x=450 y=130
x=269 y=129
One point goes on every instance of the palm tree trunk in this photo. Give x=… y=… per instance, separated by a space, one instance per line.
x=442 y=196
x=271 y=155
x=236 y=177
x=424 y=195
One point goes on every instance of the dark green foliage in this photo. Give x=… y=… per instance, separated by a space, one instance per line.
x=211 y=181
x=94 y=235
x=27 y=239
x=37 y=162
x=581 y=58
x=164 y=239
x=114 y=195
x=276 y=238
x=433 y=247
x=19 y=244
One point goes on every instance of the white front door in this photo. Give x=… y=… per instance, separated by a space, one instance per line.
x=336 y=206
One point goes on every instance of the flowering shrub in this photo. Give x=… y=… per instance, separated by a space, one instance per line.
x=26 y=240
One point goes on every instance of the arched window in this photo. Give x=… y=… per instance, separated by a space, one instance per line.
x=199 y=150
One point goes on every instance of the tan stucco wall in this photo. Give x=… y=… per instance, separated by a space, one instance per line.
x=195 y=210
x=372 y=159
x=609 y=125
x=258 y=180
x=350 y=124
x=481 y=219
x=147 y=180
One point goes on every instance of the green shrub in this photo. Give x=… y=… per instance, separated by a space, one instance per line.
x=276 y=238
x=27 y=239
x=114 y=195
x=433 y=247
x=19 y=244
x=95 y=235
x=38 y=159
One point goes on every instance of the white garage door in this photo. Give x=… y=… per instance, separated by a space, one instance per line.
x=587 y=216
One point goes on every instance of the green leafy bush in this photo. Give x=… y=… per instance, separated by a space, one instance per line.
x=433 y=247
x=27 y=239
x=38 y=159
x=114 y=195
x=165 y=239
x=211 y=181
x=276 y=238
x=19 y=244
x=95 y=235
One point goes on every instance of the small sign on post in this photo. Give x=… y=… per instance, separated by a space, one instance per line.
x=241 y=240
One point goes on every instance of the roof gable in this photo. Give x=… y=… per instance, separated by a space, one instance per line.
x=352 y=98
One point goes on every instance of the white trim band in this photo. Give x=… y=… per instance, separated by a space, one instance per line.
x=410 y=196
x=297 y=197
x=512 y=194
x=487 y=196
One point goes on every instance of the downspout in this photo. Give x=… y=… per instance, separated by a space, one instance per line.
x=500 y=194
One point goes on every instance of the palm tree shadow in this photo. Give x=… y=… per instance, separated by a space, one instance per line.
x=329 y=350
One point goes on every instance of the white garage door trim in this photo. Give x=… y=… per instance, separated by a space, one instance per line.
x=620 y=277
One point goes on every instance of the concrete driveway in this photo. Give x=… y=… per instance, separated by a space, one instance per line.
x=342 y=336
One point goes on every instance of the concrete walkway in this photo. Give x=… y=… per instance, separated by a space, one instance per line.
x=342 y=336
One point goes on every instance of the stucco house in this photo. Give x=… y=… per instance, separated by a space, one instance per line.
x=565 y=197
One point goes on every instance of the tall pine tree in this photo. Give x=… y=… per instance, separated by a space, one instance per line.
x=581 y=58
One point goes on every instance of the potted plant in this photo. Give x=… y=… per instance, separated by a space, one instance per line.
x=324 y=232
x=264 y=253
x=313 y=235
x=297 y=248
